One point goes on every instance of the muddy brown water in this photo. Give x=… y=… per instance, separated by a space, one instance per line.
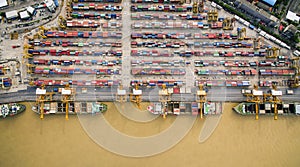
x=27 y=141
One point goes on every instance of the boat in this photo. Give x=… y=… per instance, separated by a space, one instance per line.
x=11 y=109
x=185 y=108
x=247 y=108
x=74 y=108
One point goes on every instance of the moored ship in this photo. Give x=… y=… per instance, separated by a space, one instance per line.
x=11 y=109
x=73 y=108
x=185 y=108
x=267 y=109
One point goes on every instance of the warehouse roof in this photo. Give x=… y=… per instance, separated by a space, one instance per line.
x=11 y=14
x=30 y=9
x=24 y=15
x=292 y=16
x=270 y=2
x=3 y=3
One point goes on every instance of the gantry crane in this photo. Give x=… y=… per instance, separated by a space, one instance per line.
x=68 y=95
x=273 y=52
x=121 y=94
x=273 y=97
x=257 y=42
x=25 y=51
x=136 y=95
x=14 y=35
x=28 y=38
x=201 y=99
x=182 y=2
x=27 y=46
x=213 y=15
x=198 y=7
x=31 y=82
x=201 y=6
x=42 y=97
x=195 y=7
x=41 y=32
x=69 y=10
x=255 y=97
x=241 y=33
x=164 y=98
x=30 y=68
x=62 y=22
x=228 y=23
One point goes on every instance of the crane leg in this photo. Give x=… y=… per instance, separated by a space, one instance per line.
x=67 y=111
x=201 y=111
x=42 y=111
x=42 y=114
x=275 y=112
x=256 y=111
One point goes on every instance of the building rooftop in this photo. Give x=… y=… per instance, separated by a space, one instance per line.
x=3 y=3
x=30 y=9
x=24 y=15
x=270 y=2
x=292 y=16
x=11 y=14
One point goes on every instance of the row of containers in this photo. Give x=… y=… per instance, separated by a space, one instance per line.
x=267 y=83
x=157 y=82
x=161 y=8
x=75 y=71
x=64 y=43
x=251 y=72
x=93 y=24
x=156 y=1
x=96 y=15
x=67 y=52
x=96 y=6
x=174 y=35
x=189 y=53
x=140 y=16
x=277 y=72
x=77 y=62
x=157 y=71
x=227 y=83
x=177 y=25
x=205 y=63
x=83 y=34
x=104 y=82
x=3 y=69
x=242 y=63
x=195 y=44
x=5 y=82
x=163 y=63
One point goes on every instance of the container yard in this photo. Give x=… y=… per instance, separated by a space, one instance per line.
x=167 y=66
x=156 y=40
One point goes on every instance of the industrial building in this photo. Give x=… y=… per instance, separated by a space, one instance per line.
x=3 y=3
x=12 y=14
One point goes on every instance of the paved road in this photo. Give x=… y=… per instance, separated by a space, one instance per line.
x=107 y=94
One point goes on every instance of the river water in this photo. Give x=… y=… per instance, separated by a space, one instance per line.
x=27 y=141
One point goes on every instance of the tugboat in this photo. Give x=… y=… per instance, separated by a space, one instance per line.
x=11 y=109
